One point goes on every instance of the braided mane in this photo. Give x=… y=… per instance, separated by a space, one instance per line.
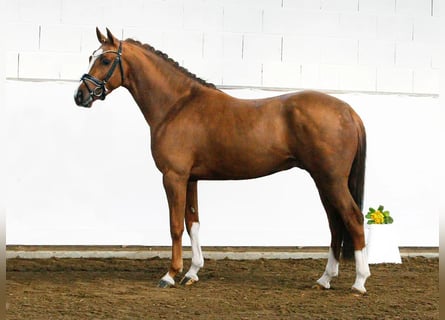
x=172 y=62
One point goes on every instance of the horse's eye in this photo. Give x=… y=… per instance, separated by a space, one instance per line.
x=89 y=59
x=105 y=61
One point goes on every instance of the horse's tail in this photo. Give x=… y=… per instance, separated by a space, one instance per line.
x=356 y=184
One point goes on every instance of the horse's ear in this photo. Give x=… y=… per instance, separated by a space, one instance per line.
x=100 y=36
x=111 y=38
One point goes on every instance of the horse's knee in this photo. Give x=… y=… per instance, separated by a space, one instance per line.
x=176 y=231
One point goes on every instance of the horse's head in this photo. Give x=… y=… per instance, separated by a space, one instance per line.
x=105 y=71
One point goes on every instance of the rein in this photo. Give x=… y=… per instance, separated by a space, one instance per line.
x=100 y=90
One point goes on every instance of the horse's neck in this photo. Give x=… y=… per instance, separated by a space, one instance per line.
x=156 y=86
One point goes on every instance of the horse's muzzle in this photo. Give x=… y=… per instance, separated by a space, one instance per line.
x=80 y=100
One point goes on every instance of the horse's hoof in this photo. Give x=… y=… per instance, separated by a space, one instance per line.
x=164 y=284
x=187 y=281
x=319 y=287
x=361 y=291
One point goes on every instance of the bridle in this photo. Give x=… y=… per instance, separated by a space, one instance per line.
x=100 y=90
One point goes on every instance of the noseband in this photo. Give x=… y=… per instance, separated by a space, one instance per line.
x=100 y=90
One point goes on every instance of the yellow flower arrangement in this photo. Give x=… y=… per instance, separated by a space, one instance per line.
x=379 y=216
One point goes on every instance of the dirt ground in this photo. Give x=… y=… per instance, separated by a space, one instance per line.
x=258 y=289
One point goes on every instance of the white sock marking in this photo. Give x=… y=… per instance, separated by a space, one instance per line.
x=197 y=257
x=330 y=272
x=169 y=279
x=361 y=269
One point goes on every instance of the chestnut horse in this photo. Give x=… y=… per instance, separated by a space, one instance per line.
x=200 y=133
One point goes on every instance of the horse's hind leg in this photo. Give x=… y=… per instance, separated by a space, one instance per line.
x=337 y=197
x=192 y=225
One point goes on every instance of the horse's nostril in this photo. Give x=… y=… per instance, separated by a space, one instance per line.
x=78 y=97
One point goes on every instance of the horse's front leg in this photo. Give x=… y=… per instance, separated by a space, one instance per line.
x=192 y=225
x=176 y=188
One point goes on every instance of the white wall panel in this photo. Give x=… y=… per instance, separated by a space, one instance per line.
x=329 y=76
x=377 y=6
x=310 y=75
x=213 y=45
x=316 y=23
x=60 y=38
x=12 y=11
x=297 y=22
x=203 y=17
x=252 y=3
x=124 y=13
x=262 y=48
x=355 y=25
x=75 y=68
x=340 y=51
x=243 y=19
x=394 y=27
x=180 y=45
x=376 y=52
x=82 y=12
x=426 y=80
x=23 y=37
x=437 y=60
x=279 y=74
x=427 y=29
x=413 y=54
x=303 y=49
x=242 y=73
x=163 y=15
x=439 y=9
x=39 y=65
x=340 y=5
x=308 y=5
x=223 y=46
x=325 y=33
x=394 y=79
x=358 y=78
x=414 y=7
x=47 y=11
x=280 y=21
x=12 y=64
x=232 y=46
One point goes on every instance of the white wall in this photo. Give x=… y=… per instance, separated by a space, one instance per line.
x=78 y=176
x=359 y=45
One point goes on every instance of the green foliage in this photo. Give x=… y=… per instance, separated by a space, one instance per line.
x=379 y=216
